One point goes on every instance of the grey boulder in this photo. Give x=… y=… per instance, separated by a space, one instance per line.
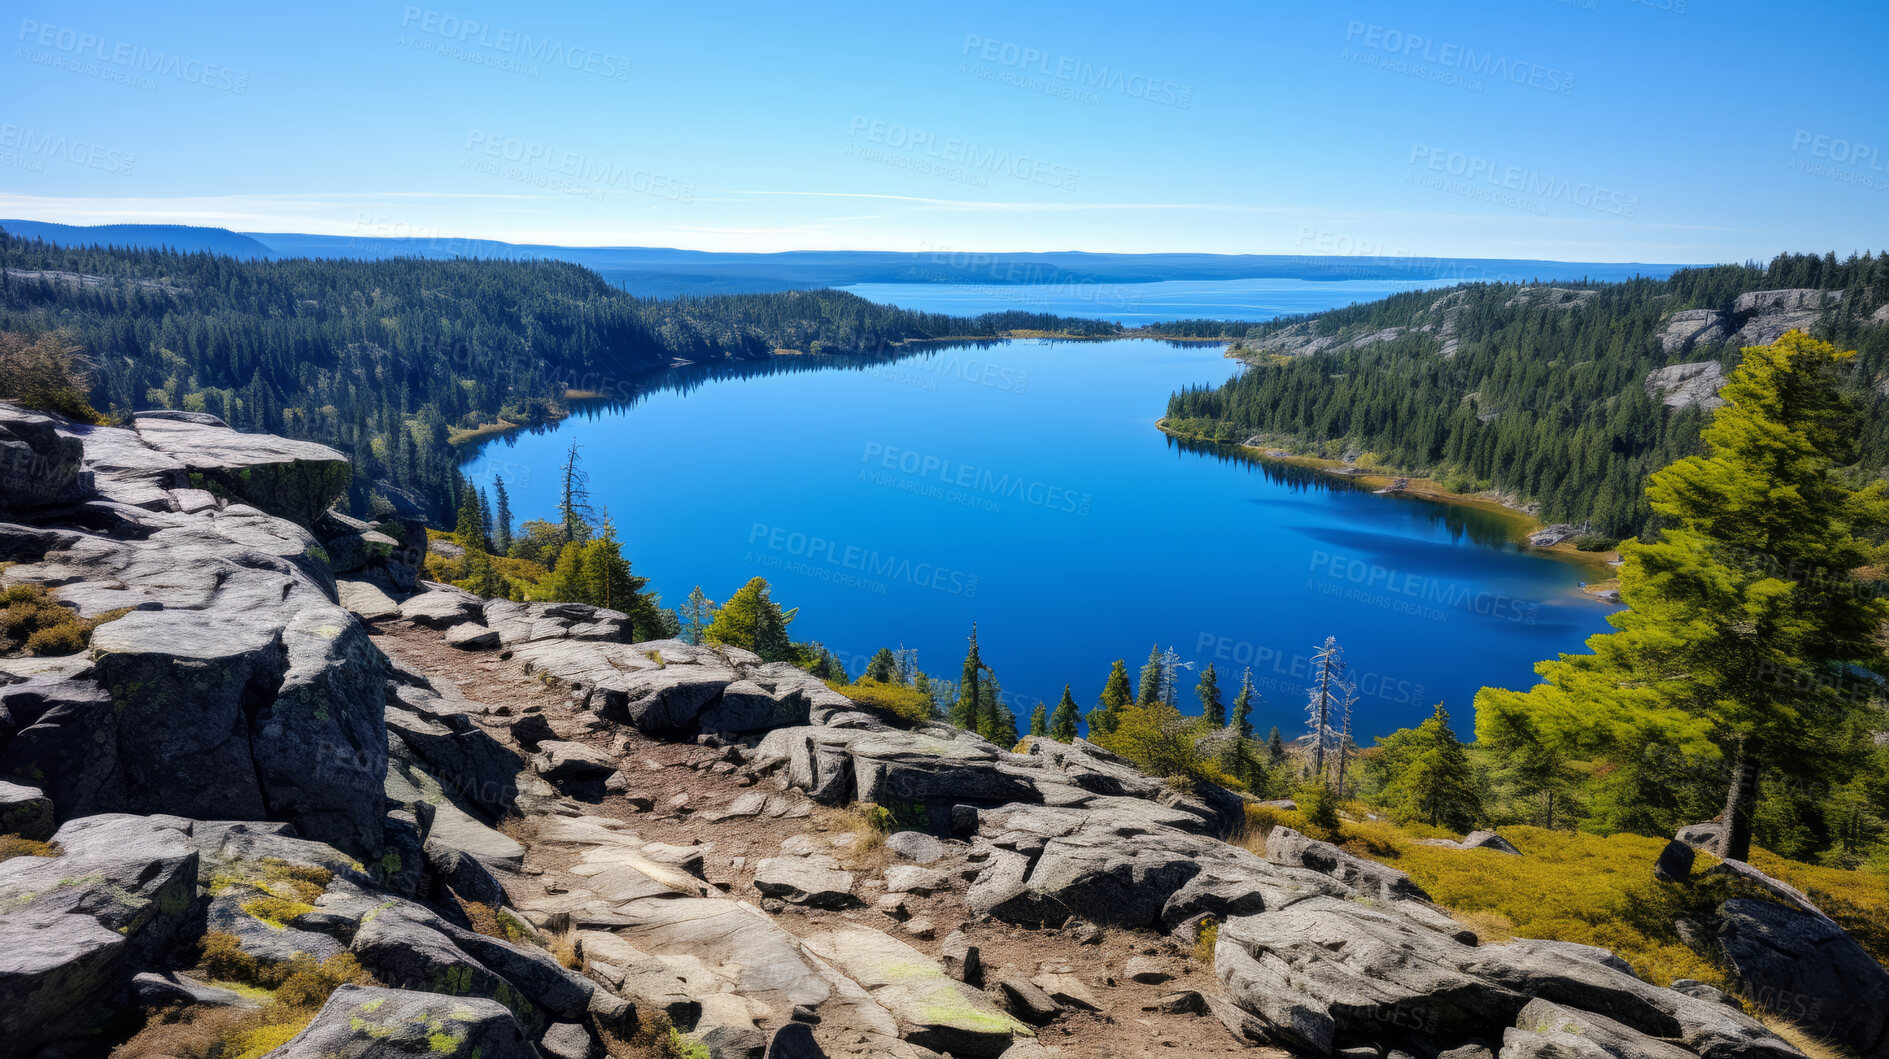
x=441 y=608
x=291 y=479
x=38 y=465
x=74 y=927
x=364 y=1022
x=1804 y=968
x=816 y=880
x=25 y=811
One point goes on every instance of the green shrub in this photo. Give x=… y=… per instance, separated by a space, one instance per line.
x=33 y=623
x=1596 y=542
x=293 y=993
x=1320 y=807
x=878 y=817
x=1206 y=936
x=902 y=700
x=1163 y=742
x=46 y=373
x=12 y=846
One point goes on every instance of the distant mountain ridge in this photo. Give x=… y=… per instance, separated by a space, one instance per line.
x=663 y=272
x=181 y=237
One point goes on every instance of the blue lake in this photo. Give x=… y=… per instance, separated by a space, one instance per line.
x=1141 y=303
x=1022 y=485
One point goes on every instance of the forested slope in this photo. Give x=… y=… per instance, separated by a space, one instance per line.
x=382 y=359
x=1540 y=392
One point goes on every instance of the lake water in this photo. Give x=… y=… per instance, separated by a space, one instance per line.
x=1023 y=486
x=1142 y=303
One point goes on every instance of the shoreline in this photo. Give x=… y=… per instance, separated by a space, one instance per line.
x=459 y=437
x=1379 y=482
x=1522 y=522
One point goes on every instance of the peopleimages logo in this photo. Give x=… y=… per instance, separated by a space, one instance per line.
x=976 y=483
x=1839 y=150
x=131 y=60
x=1412 y=47
x=1073 y=77
x=1488 y=179
x=954 y=153
x=572 y=172
x=827 y=560
x=1414 y=593
x=512 y=43
x=78 y=152
x=1287 y=672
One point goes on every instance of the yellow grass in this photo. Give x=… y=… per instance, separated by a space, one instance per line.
x=1592 y=889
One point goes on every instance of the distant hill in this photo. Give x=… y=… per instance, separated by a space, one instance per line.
x=667 y=272
x=181 y=237
x=659 y=270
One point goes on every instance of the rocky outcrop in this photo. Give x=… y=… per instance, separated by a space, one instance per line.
x=1694 y=327
x=1802 y=967
x=295 y=480
x=25 y=811
x=75 y=927
x=667 y=939
x=1476 y=840
x=38 y=465
x=1757 y=318
x=232 y=685
x=1687 y=385
x=1318 y=949
x=360 y=1022
x=376 y=557
x=1767 y=314
x=1329 y=972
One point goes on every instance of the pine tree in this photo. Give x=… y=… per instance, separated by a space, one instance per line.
x=485 y=520
x=481 y=579
x=1743 y=617
x=1209 y=692
x=1236 y=760
x=696 y=613
x=770 y=633
x=1428 y=775
x=1063 y=723
x=1149 y=691
x=751 y=619
x=1534 y=767
x=968 y=712
x=883 y=667
x=991 y=723
x=565 y=581
x=470 y=528
x=1115 y=697
x=1327 y=696
x=1275 y=749
x=1003 y=726
x=574 y=508
x=1243 y=706
x=1039 y=720
x=500 y=529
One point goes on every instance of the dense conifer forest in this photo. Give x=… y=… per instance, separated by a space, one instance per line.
x=386 y=359
x=1541 y=398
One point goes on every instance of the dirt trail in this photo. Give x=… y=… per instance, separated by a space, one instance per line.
x=1129 y=1021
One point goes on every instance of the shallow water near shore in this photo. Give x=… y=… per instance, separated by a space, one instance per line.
x=1023 y=485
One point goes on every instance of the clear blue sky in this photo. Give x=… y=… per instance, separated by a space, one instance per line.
x=1666 y=130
